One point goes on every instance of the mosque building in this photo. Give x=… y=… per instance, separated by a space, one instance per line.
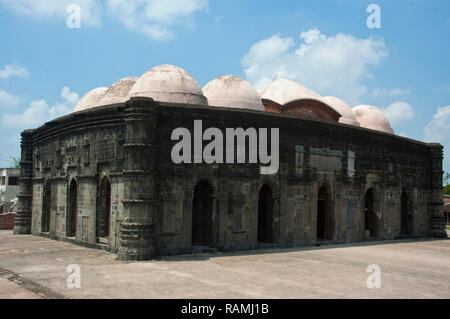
x=103 y=176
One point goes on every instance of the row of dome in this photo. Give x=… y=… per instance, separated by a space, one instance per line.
x=168 y=83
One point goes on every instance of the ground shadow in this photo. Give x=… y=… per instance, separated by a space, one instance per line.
x=280 y=250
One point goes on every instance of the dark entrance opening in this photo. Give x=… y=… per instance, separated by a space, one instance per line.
x=369 y=214
x=404 y=214
x=202 y=210
x=73 y=209
x=265 y=215
x=322 y=214
x=104 y=208
x=46 y=204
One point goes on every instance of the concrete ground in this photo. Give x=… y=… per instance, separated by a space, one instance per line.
x=11 y=290
x=34 y=267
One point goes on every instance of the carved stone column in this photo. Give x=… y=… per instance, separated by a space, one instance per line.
x=436 y=219
x=140 y=152
x=23 y=215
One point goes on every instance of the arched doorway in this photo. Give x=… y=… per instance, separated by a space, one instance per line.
x=202 y=211
x=46 y=204
x=265 y=215
x=369 y=214
x=104 y=208
x=73 y=209
x=323 y=217
x=404 y=214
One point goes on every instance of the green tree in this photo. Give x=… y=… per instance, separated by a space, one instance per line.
x=15 y=162
x=446 y=182
x=446 y=179
x=447 y=190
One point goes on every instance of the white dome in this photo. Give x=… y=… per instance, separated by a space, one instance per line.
x=341 y=107
x=168 y=83
x=90 y=99
x=117 y=93
x=232 y=91
x=284 y=91
x=370 y=117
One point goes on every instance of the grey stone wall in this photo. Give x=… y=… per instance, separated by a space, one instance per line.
x=64 y=150
x=152 y=198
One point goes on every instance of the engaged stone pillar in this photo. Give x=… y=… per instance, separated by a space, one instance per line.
x=23 y=216
x=436 y=218
x=137 y=228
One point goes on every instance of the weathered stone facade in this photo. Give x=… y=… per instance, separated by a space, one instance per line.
x=338 y=172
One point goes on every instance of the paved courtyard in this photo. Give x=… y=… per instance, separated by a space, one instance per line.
x=34 y=267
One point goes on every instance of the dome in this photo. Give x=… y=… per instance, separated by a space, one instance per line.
x=341 y=107
x=117 y=93
x=168 y=83
x=284 y=91
x=90 y=99
x=370 y=117
x=232 y=91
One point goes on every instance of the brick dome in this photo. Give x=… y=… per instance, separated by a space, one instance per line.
x=168 y=83
x=232 y=91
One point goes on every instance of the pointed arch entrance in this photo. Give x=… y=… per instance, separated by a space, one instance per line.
x=265 y=215
x=202 y=213
x=404 y=214
x=72 y=209
x=370 y=221
x=323 y=214
x=104 y=209
x=46 y=204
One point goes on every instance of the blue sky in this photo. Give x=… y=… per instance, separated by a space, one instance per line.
x=325 y=45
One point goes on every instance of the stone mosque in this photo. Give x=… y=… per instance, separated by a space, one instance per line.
x=103 y=176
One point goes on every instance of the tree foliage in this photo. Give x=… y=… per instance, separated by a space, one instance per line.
x=446 y=182
x=447 y=190
x=446 y=178
x=15 y=162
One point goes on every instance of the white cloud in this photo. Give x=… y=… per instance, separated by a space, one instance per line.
x=331 y=65
x=11 y=70
x=39 y=112
x=36 y=113
x=399 y=112
x=70 y=97
x=8 y=100
x=155 y=18
x=438 y=131
x=57 y=9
